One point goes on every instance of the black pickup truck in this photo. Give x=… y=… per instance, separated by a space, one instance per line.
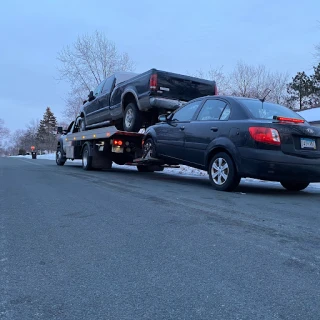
x=131 y=101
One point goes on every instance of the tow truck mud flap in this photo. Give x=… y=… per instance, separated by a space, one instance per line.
x=101 y=159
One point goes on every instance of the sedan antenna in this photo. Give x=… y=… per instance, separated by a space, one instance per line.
x=264 y=98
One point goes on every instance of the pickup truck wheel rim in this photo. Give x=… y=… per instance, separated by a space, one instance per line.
x=220 y=171
x=129 y=118
x=58 y=155
x=81 y=125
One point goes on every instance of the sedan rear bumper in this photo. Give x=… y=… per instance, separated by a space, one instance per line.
x=277 y=166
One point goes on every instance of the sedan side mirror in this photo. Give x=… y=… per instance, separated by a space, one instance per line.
x=162 y=118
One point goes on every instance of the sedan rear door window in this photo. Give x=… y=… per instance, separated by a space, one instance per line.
x=212 y=111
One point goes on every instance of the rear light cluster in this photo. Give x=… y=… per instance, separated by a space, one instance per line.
x=153 y=82
x=292 y=120
x=265 y=135
x=216 y=90
x=117 y=142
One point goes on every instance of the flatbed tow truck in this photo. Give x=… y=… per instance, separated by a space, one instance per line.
x=99 y=148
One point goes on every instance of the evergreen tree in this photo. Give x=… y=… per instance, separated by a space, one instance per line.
x=300 y=89
x=46 y=135
x=315 y=79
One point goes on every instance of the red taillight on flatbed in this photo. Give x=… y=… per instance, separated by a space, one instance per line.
x=153 y=81
x=265 y=135
x=117 y=142
x=292 y=120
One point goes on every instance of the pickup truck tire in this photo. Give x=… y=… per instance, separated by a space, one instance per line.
x=222 y=172
x=60 y=158
x=119 y=125
x=132 y=118
x=82 y=125
x=86 y=159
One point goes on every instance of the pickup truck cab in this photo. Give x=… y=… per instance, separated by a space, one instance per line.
x=131 y=101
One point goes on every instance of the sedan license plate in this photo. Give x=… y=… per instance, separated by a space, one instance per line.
x=117 y=149
x=308 y=143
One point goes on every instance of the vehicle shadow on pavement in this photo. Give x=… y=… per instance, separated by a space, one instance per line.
x=253 y=187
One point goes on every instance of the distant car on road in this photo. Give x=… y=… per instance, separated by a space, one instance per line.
x=234 y=137
x=131 y=101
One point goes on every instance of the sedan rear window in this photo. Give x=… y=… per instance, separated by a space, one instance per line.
x=267 y=110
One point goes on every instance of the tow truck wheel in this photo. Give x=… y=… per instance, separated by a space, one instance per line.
x=294 y=186
x=60 y=159
x=86 y=159
x=132 y=118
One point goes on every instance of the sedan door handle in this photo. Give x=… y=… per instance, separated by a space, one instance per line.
x=214 y=129
x=182 y=128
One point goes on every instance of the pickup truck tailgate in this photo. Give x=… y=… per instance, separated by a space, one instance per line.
x=181 y=87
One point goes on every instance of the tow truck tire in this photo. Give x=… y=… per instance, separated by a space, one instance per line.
x=60 y=159
x=86 y=158
x=294 y=186
x=132 y=118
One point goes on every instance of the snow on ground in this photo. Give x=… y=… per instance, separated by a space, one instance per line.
x=183 y=170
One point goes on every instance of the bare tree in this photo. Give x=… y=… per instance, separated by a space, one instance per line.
x=73 y=102
x=86 y=63
x=23 y=139
x=4 y=131
x=216 y=74
x=255 y=81
x=317 y=48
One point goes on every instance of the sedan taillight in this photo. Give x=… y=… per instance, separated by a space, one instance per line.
x=265 y=135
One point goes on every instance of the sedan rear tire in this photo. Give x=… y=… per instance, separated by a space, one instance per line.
x=222 y=172
x=294 y=186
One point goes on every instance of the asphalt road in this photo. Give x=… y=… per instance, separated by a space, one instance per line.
x=128 y=245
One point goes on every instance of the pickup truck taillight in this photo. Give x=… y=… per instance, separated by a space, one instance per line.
x=153 y=81
x=215 y=90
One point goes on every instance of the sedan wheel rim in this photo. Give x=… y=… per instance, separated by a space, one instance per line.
x=129 y=118
x=220 y=171
x=148 y=149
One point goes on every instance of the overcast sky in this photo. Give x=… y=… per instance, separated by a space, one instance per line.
x=175 y=35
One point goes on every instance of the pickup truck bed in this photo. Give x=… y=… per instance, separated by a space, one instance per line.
x=130 y=101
